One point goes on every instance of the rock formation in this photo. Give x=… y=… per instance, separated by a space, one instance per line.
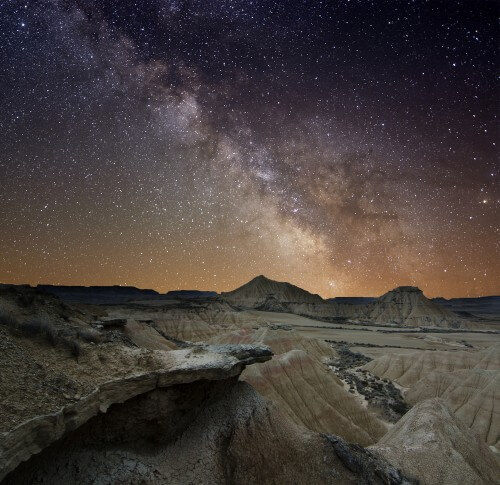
x=127 y=373
x=403 y=306
x=312 y=396
x=117 y=414
x=202 y=432
x=469 y=383
x=472 y=394
x=260 y=290
x=407 y=305
x=279 y=341
x=433 y=444
x=304 y=388
x=191 y=320
x=140 y=402
x=408 y=369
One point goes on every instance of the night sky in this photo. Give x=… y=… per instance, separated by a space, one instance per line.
x=345 y=146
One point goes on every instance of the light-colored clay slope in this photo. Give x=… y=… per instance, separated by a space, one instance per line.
x=189 y=321
x=469 y=382
x=261 y=289
x=187 y=330
x=489 y=358
x=407 y=369
x=300 y=384
x=280 y=341
x=430 y=443
x=472 y=394
x=145 y=336
x=312 y=396
x=329 y=310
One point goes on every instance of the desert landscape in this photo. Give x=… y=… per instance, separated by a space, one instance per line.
x=264 y=384
x=249 y=242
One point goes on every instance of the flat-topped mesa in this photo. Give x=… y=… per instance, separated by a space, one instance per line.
x=260 y=290
x=402 y=292
x=190 y=294
x=411 y=295
x=406 y=289
x=98 y=294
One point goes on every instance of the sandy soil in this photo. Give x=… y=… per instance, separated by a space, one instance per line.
x=392 y=339
x=377 y=335
x=438 y=341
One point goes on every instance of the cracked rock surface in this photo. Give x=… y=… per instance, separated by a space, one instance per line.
x=204 y=432
x=97 y=384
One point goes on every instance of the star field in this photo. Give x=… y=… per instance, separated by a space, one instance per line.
x=347 y=146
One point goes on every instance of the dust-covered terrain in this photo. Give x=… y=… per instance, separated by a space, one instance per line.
x=198 y=388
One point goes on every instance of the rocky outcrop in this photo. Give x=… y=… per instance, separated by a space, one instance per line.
x=431 y=443
x=280 y=341
x=203 y=432
x=182 y=366
x=304 y=388
x=256 y=292
x=407 y=305
x=190 y=421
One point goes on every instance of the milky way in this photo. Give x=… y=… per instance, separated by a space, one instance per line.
x=347 y=147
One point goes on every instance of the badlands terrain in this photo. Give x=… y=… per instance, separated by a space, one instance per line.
x=264 y=384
